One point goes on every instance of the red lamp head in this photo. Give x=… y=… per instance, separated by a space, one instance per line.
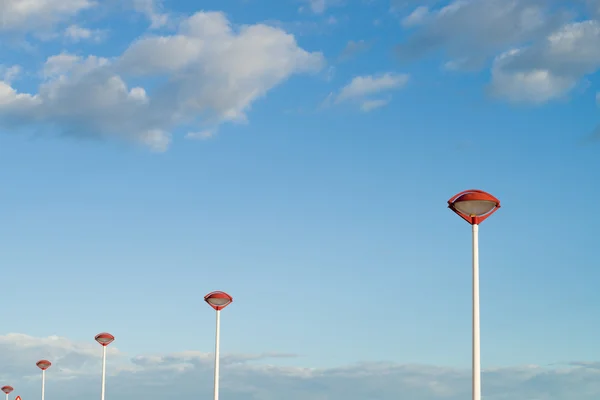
x=43 y=364
x=104 y=338
x=218 y=300
x=7 y=389
x=474 y=206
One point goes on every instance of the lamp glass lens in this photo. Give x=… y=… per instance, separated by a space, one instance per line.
x=475 y=207
x=105 y=340
x=218 y=301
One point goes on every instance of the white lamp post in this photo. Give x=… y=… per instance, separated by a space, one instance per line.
x=218 y=301
x=43 y=365
x=7 y=390
x=474 y=206
x=104 y=339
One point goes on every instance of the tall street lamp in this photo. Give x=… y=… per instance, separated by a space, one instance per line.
x=218 y=301
x=474 y=206
x=7 y=390
x=43 y=365
x=104 y=339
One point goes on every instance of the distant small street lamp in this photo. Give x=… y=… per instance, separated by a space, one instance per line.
x=104 y=339
x=7 y=390
x=43 y=365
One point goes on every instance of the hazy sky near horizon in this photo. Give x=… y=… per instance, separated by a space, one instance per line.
x=299 y=154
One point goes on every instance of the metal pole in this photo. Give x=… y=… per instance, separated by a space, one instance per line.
x=103 y=370
x=217 y=339
x=43 y=382
x=476 y=329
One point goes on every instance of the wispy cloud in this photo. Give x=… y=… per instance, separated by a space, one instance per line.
x=8 y=74
x=370 y=105
x=320 y=6
x=153 y=10
x=76 y=33
x=200 y=135
x=362 y=86
x=417 y=17
x=352 y=49
x=362 y=89
x=189 y=374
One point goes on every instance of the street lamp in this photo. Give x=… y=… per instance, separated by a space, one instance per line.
x=43 y=365
x=7 y=390
x=104 y=339
x=218 y=301
x=474 y=206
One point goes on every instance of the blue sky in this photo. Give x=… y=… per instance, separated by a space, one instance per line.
x=299 y=155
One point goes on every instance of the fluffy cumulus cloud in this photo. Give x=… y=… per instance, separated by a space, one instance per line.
x=366 y=91
x=470 y=31
x=551 y=68
x=538 y=50
x=76 y=368
x=22 y=15
x=206 y=73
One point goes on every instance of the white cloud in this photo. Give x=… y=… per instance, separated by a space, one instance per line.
x=530 y=86
x=317 y=6
x=62 y=63
x=538 y=55
x=549 y=69
x=320 y=6
x=201 y=135
x=29 y=15
x=416 y=17
x=76 y=33
x=361 y=89
x=152 y=9
x=352 y=49
x=11 y=101
x=8 y=74
x=594 y=7
x=370 y=105
x=362 y=86
x=475 y=30
x=456 y=65
x=305 y=27
x=211 y=72
x=188 y=374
